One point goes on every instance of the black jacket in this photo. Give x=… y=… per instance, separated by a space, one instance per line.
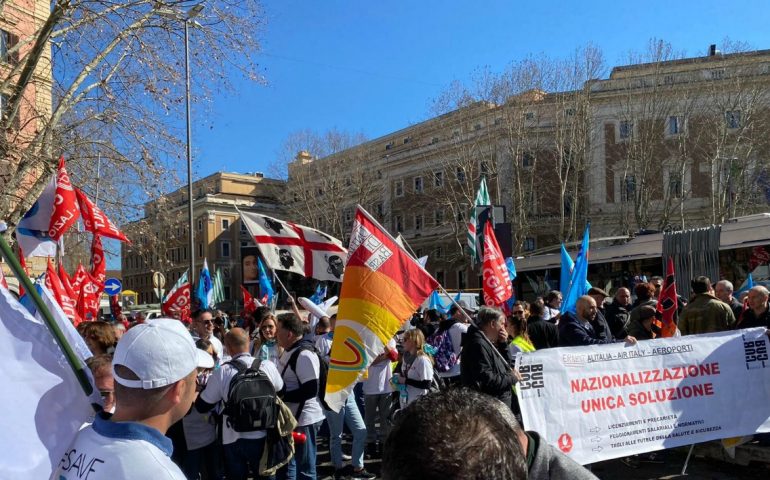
x=617 y=318
x=573 y=333
x=750 y=319
x=483 y=369
x=543 y=334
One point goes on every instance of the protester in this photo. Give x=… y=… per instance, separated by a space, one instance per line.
x=617 y=313
x=600 y=322
x=552 y=310
x=265 y=346
x=429 y=322
x=155 y=368
x=242 y=450
x=100 y=337
x=101 y=369
x=455 y=328
x=657 y=284
x=456 y=434
x=642 y=328
x=416 y=372
x=301 y=388
x=119 y=329
x=645 y=295
x=758 y=314
x=577 y=329
x=378 y=399
x=203 y=451
x=705 y=313
x=203 y=327
x=516 y=326
x=483 y=368
x=542 y=334
x=723 y=290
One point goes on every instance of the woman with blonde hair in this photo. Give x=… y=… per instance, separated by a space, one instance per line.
x=265 y=346
x=416 y=368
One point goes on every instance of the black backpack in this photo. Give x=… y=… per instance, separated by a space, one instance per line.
x=251 y=402
x=323 y=372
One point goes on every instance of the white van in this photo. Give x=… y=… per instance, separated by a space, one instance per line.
x=471 y=300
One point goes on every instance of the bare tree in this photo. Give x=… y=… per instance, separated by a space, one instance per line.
x=117 y=92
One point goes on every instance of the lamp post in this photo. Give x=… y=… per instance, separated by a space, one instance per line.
x=191 y=13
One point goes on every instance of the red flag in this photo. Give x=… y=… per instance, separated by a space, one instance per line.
x=115 y=309
x=88 y=303
x=98 y=264
x=497 y=283
x=177 y=303
x=250 y=304
x=65 y=209
x=66 y=282
x=77 y=282
x=667 y=303
x=96 y=221
x=67 y=304
x=23 y=263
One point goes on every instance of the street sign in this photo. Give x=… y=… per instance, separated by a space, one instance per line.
x=158 y=280
x=112 y=286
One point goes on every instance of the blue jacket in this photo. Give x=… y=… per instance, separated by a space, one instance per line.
x=572 y=333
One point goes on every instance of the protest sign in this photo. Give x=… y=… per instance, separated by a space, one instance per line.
x=600 y=402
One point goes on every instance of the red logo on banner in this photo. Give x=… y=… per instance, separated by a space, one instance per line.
x=497 y=283
x=88 y=303
x=65 y=208
x=96 y=221
x=67 y=304
x=177 y=304
x=98 y=264
x=565 y=443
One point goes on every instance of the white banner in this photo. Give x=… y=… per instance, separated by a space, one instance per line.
x=601 y=402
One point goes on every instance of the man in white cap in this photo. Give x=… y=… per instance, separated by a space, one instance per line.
x=155 y=367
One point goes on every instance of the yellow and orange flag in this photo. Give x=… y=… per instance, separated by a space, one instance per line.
x=382 y=288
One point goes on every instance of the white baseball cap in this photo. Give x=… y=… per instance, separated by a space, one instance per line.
x=160 y=352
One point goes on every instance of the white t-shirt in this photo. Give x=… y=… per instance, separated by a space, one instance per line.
x=421 y=369
x=379 y=377
x=324 y=345
x=199 y=429
x=308 y=369
x=219 y=349
x=110 y=450
x=218 y=386
x=456 y=332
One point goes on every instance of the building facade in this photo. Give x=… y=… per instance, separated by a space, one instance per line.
x=160 y=240
x=661 y=146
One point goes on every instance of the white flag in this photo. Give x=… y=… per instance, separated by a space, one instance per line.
x=295 y=248
x=44 y=403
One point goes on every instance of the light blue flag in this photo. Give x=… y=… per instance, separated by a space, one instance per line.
x=748 y=285
x=435 y=303
x=205 y=287
x=458 y=297
x=512 y=275
x=566 y=270
x=320 y=294
x=265 y=286
x=578 y=285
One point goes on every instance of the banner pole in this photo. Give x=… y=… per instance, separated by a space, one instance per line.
x=687 y=460
x=72 y=359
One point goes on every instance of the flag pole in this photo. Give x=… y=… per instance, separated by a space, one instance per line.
x=72 y=359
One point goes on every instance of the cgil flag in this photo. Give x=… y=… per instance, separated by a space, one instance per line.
x=176 y=303
x=578 y=284
x=383 y=286
x=250 y=304
x=205 y=288
x=482 y=198
x=65 y=207
x=95 y=221
x=289 y=247
x=667 y=302
x=46 y=403
x=496 y=281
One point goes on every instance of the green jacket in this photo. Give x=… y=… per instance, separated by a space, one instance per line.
x=706 y=314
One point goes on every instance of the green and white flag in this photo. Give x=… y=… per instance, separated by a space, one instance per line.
x=218 y=295
x=482 y=198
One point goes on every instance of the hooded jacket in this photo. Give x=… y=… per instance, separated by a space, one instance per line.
x=483 y=369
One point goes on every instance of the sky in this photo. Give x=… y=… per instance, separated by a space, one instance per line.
x=375 y=66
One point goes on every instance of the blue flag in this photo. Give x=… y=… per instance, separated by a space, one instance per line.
x=748 y=286
x=578 y=285
x=320 y=294
x=566 y=270
x=205 y=287
x=265 y=286
x=435 y=303
x=512 y=275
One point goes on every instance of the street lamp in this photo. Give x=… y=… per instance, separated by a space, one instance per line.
x=188 y=17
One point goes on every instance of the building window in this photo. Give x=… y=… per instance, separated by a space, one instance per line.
x=461 y=280
x=7 y=42
x=225 y=224
x=626 y=130
x=319 y=192
x=675 y=187
x=529 y=244
x=438 y=179
x=628 y=188
x=244 y=244
x=455 y=133
x=200 y=225
x=200 y=250
x=399 y=187
x=439 y=277
x=226 y=291
x=407 y=140
x=434 y=140
x=484 y=167
x=380 y=210
x=389 y=146
x=439 y=252
x=527 y=159
x=675 y=125
x=478 y=127
x=461 y=214
x=418 y=185
x=569 y=112
x=733 y=119
x=460 y=174
x=418 y=222
x=529 y=116
x=398 y=223
x=438 y=217
x=225 y=249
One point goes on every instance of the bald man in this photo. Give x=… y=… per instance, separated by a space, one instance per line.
x=617 y=313
x=758 y=314
x=576 y=329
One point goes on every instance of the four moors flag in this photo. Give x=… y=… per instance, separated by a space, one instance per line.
x=295 y=248
x=383 y=286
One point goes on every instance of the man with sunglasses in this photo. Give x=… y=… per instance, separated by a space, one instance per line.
x=203 y=328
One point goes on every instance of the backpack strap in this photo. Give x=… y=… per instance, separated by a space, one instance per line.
x=303 y=346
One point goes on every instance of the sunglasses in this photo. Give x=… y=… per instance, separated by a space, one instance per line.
x=518 y=312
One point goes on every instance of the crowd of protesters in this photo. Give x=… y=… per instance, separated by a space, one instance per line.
x=417 y=396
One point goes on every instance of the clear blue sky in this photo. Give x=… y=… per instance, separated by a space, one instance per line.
x=374 y=66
